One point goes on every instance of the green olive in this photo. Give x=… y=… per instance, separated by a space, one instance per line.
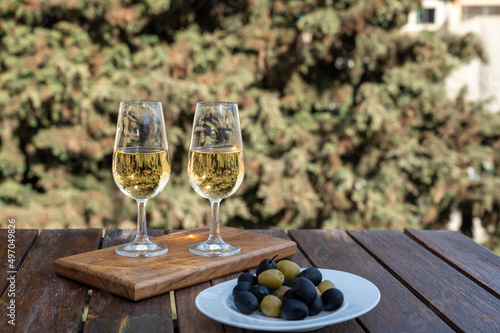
x=290 y=269
x=271 y=306
x=325 y=285
x=280 y=292
x=272 y=278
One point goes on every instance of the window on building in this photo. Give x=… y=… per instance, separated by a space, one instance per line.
x=426 y=15
x=472 y=11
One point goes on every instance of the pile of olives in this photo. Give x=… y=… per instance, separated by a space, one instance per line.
x=282 y=290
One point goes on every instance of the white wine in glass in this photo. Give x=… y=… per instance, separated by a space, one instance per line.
x=215 y=166
x=141 y=167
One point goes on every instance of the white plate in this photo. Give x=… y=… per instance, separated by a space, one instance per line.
x=360 y=296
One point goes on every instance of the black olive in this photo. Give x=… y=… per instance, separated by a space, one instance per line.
x=312 y=274
x=316 y=306
x=265 y=265
x=287 y=295
x=293 y=309
x=304 y=290
x=260 y=291
x=246 y=302
x=242 y=286
x=249 y=277
x=332 y=299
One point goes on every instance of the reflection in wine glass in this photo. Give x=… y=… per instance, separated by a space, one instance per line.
x=215 y=166
x=141 y=167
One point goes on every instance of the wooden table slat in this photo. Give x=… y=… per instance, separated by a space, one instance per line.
x=23 y=241
x=398 y=310
x=109 y=313
x=189 y=319
x=479 y=263
x=461 y=302
x=46 y=302
x=299 y=258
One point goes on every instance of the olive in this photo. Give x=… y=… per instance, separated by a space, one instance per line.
x=271 y=278
x=271 y=306
x=246 y=302
x=289 y=269
x=316 y=306
x=287 y=295
x=293 y=309
x=332 y=299
x=242 y=286
x=304 y=290
x=260 y=291
x=280 y=291
x=265 y=265
x=324 y=285
x=247 y=277
x=312 y=274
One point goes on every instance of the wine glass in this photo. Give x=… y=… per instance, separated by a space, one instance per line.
x=215 y=166
x=141 y=167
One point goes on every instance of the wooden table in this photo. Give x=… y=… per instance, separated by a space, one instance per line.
x=430 y=281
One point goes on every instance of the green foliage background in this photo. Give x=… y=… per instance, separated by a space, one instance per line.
x=345 y=120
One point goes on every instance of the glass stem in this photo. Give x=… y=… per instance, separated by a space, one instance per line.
x=214 y=223
x=142 y=231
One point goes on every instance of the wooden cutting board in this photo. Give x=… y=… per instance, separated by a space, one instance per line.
x=140 y=278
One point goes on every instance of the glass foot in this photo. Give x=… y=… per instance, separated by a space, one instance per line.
x=222 y=249
x=141 y=249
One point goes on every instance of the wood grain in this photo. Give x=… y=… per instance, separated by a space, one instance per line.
x=23 y=241
x=108 y=313
x=46 y=302
x=189 y=318
x=475 y=261
x=398 y=310
x=138 y=279
x=461 y=302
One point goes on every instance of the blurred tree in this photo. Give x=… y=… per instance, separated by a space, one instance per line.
x=345 y=119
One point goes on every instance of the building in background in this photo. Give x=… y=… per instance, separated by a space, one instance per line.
x=481 y=17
